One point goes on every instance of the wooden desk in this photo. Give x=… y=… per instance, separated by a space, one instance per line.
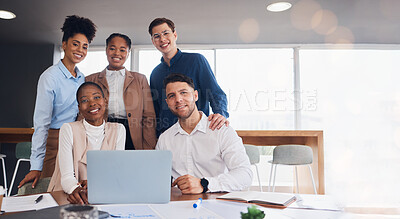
x=314 y=139
x=15 y=135
x=176 y=195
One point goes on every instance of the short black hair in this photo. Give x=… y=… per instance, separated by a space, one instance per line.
x=159 y=21
x=74 y=24
x=177 y=77
x=88 y=83
x=123 y=36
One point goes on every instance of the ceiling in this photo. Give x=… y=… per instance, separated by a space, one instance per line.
x=211 y=21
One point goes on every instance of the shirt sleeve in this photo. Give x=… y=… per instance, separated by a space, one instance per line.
x=160 y=144
x=217 y=97
x=42 y=119
x=65 y=159
x=121 y=137
x=239 y=175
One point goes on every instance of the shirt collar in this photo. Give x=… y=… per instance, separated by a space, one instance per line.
x=92 y=127
x=201 y=126
x=174 y=59
x=111 y=72
x=68 y=74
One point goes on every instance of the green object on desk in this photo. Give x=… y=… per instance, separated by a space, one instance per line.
x=253 y=213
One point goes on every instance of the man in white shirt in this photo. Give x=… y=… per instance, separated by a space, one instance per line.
x=202 y=160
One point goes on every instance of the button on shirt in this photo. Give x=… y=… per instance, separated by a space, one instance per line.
x=55 y=105
x=219 y=156
x=115 y=81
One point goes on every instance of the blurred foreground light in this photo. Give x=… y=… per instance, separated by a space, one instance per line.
x=279 y=6
x=7 y=15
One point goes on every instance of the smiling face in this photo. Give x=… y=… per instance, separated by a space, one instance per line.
x=75 y=48
x=164 y=39
x=117 y=52
x=92 y=105
x=181 y=99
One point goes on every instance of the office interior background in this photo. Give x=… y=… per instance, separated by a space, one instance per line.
x=321 y=65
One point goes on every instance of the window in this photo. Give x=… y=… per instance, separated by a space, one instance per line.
x=358 y=109
x=259 y=87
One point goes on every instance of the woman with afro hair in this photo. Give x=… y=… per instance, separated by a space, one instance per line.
x=55 y=101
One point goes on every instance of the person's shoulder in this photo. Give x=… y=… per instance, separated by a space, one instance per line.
x=137 y=75
x=50 y=73
x=120 y=127
x=158 y=69
x=66 y=127
x=192 y=55
x=114 y=125
x=171 y=131
x=92 y=76
x=223 y=131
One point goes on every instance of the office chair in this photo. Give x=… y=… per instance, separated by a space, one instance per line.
x=291 y=155
x=2 y=156
x=254 y=156
x=23 y=153
x=40 y=187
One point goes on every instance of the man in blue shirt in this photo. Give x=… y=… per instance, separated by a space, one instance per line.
x=193 y=65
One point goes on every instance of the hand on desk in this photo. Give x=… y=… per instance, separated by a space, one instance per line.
x=79 y=195
x=33 y=175
x=217 y=121
x=188 y=184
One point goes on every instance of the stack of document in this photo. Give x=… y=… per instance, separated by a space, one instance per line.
x=27 y=203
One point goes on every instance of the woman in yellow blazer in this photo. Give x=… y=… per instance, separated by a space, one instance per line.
x=130 y=102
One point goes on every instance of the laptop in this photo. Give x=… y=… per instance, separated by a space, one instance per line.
x=128 y=177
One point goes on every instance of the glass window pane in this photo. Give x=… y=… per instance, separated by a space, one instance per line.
x=358 y=108
x=148 y=60
x=259 y=87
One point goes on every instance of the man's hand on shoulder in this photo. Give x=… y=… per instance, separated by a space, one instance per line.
x=217 y=121
x=33 y=175
x=188 y=184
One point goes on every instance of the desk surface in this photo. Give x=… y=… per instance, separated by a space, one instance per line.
x=176 y=195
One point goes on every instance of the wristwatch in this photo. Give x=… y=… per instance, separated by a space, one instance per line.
x=204 y=182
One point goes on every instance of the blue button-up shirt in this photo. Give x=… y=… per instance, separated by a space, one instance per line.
x=55 y=105
x=195 y=66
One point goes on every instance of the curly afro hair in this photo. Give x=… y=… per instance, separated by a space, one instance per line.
x=74 y=24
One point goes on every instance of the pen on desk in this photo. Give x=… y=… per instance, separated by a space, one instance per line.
x=198 y=203
x=39 y=199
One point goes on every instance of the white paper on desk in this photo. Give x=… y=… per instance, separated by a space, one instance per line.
x=184 y=210
x=129 y=211
x=315 y=202
x=27 y=203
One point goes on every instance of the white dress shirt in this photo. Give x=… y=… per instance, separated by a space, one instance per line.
x=219 y=156
x=115 y=81
x=95 y=137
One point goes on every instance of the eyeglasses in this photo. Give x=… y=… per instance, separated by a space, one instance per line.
x=157 y=36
